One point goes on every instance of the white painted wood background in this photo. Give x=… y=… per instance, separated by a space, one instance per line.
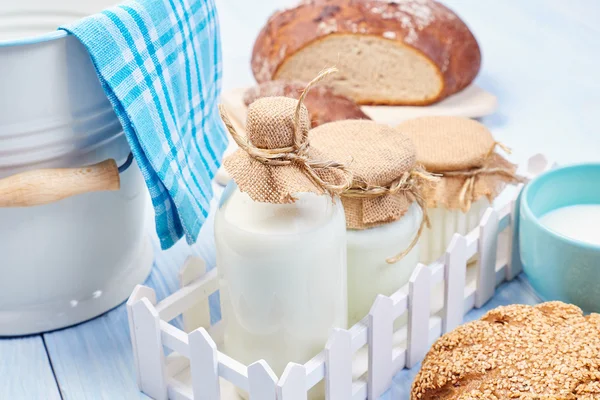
x=540 y=58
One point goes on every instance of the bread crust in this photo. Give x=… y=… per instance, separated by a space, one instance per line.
x=323 y=104
x=426 y=26
x=547 y=351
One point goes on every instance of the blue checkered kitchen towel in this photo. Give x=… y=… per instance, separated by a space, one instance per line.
x=159 y=62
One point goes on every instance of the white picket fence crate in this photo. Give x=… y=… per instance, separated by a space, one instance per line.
x=196 y=368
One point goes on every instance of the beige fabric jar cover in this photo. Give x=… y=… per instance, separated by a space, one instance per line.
x=386 y=179
x=275 y=160
x=462 y=151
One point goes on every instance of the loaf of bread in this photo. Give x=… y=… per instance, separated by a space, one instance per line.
x=323 y=104
x=403 y=52
x=548 y=351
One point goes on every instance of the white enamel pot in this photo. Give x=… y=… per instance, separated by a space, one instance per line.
x=72 y=237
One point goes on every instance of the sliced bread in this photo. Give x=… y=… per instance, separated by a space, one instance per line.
x=404 y=52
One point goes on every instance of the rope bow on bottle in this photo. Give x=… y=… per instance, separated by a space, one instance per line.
x=409 y=182
x=468 y=188
x=298 y=153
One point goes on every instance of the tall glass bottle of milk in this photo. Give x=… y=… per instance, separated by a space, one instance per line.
x=384 y=217
x=281 y=241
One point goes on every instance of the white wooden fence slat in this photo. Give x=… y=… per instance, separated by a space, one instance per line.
x=469 y=298
x=435 y=331
x=315 y=369
x=487 y=247
x=338 y=367
x=292 y=384
x=175 y=364
x=261 y=381
x=233 y=371
x=188 y=296
x=179 y=391
x=381 y=326
x=359 y=390
x=455 y=280
x=537 y=164
x=438 y=270
x=400 y=300
x=151 y=357
x=419 y=298
x=174 y=338
x=139 y=292
x=504 y=217
x=204 y=366
x=217 y=332
x=500 y=272
x=472 y=241
x=514 y=267
x=198 y=315
x=398 y=360
x=360 y=334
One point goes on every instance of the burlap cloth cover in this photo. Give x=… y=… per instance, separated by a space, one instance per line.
x=271 y=128
x=463 y=152
x=378 y=155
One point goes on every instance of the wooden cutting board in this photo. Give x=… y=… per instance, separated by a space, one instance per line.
x=473 y=102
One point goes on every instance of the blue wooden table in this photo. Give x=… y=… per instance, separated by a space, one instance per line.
x=540 y=57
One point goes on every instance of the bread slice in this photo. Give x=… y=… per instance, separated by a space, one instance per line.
x=406 y=52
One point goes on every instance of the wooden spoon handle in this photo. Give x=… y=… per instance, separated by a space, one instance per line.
x=43 y=186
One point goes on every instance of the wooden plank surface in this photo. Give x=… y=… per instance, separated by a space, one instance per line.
x=25 y=370
x=539 y=58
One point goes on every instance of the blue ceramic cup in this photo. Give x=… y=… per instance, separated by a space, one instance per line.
x=558 y=267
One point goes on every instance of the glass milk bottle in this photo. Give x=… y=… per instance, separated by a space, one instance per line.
x=463 y=152
x=281 y=244
x=383 y=215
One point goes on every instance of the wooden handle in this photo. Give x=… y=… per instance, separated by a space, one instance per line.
x=43 y=186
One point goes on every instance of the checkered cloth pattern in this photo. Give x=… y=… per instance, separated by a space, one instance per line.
x=159 y=62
